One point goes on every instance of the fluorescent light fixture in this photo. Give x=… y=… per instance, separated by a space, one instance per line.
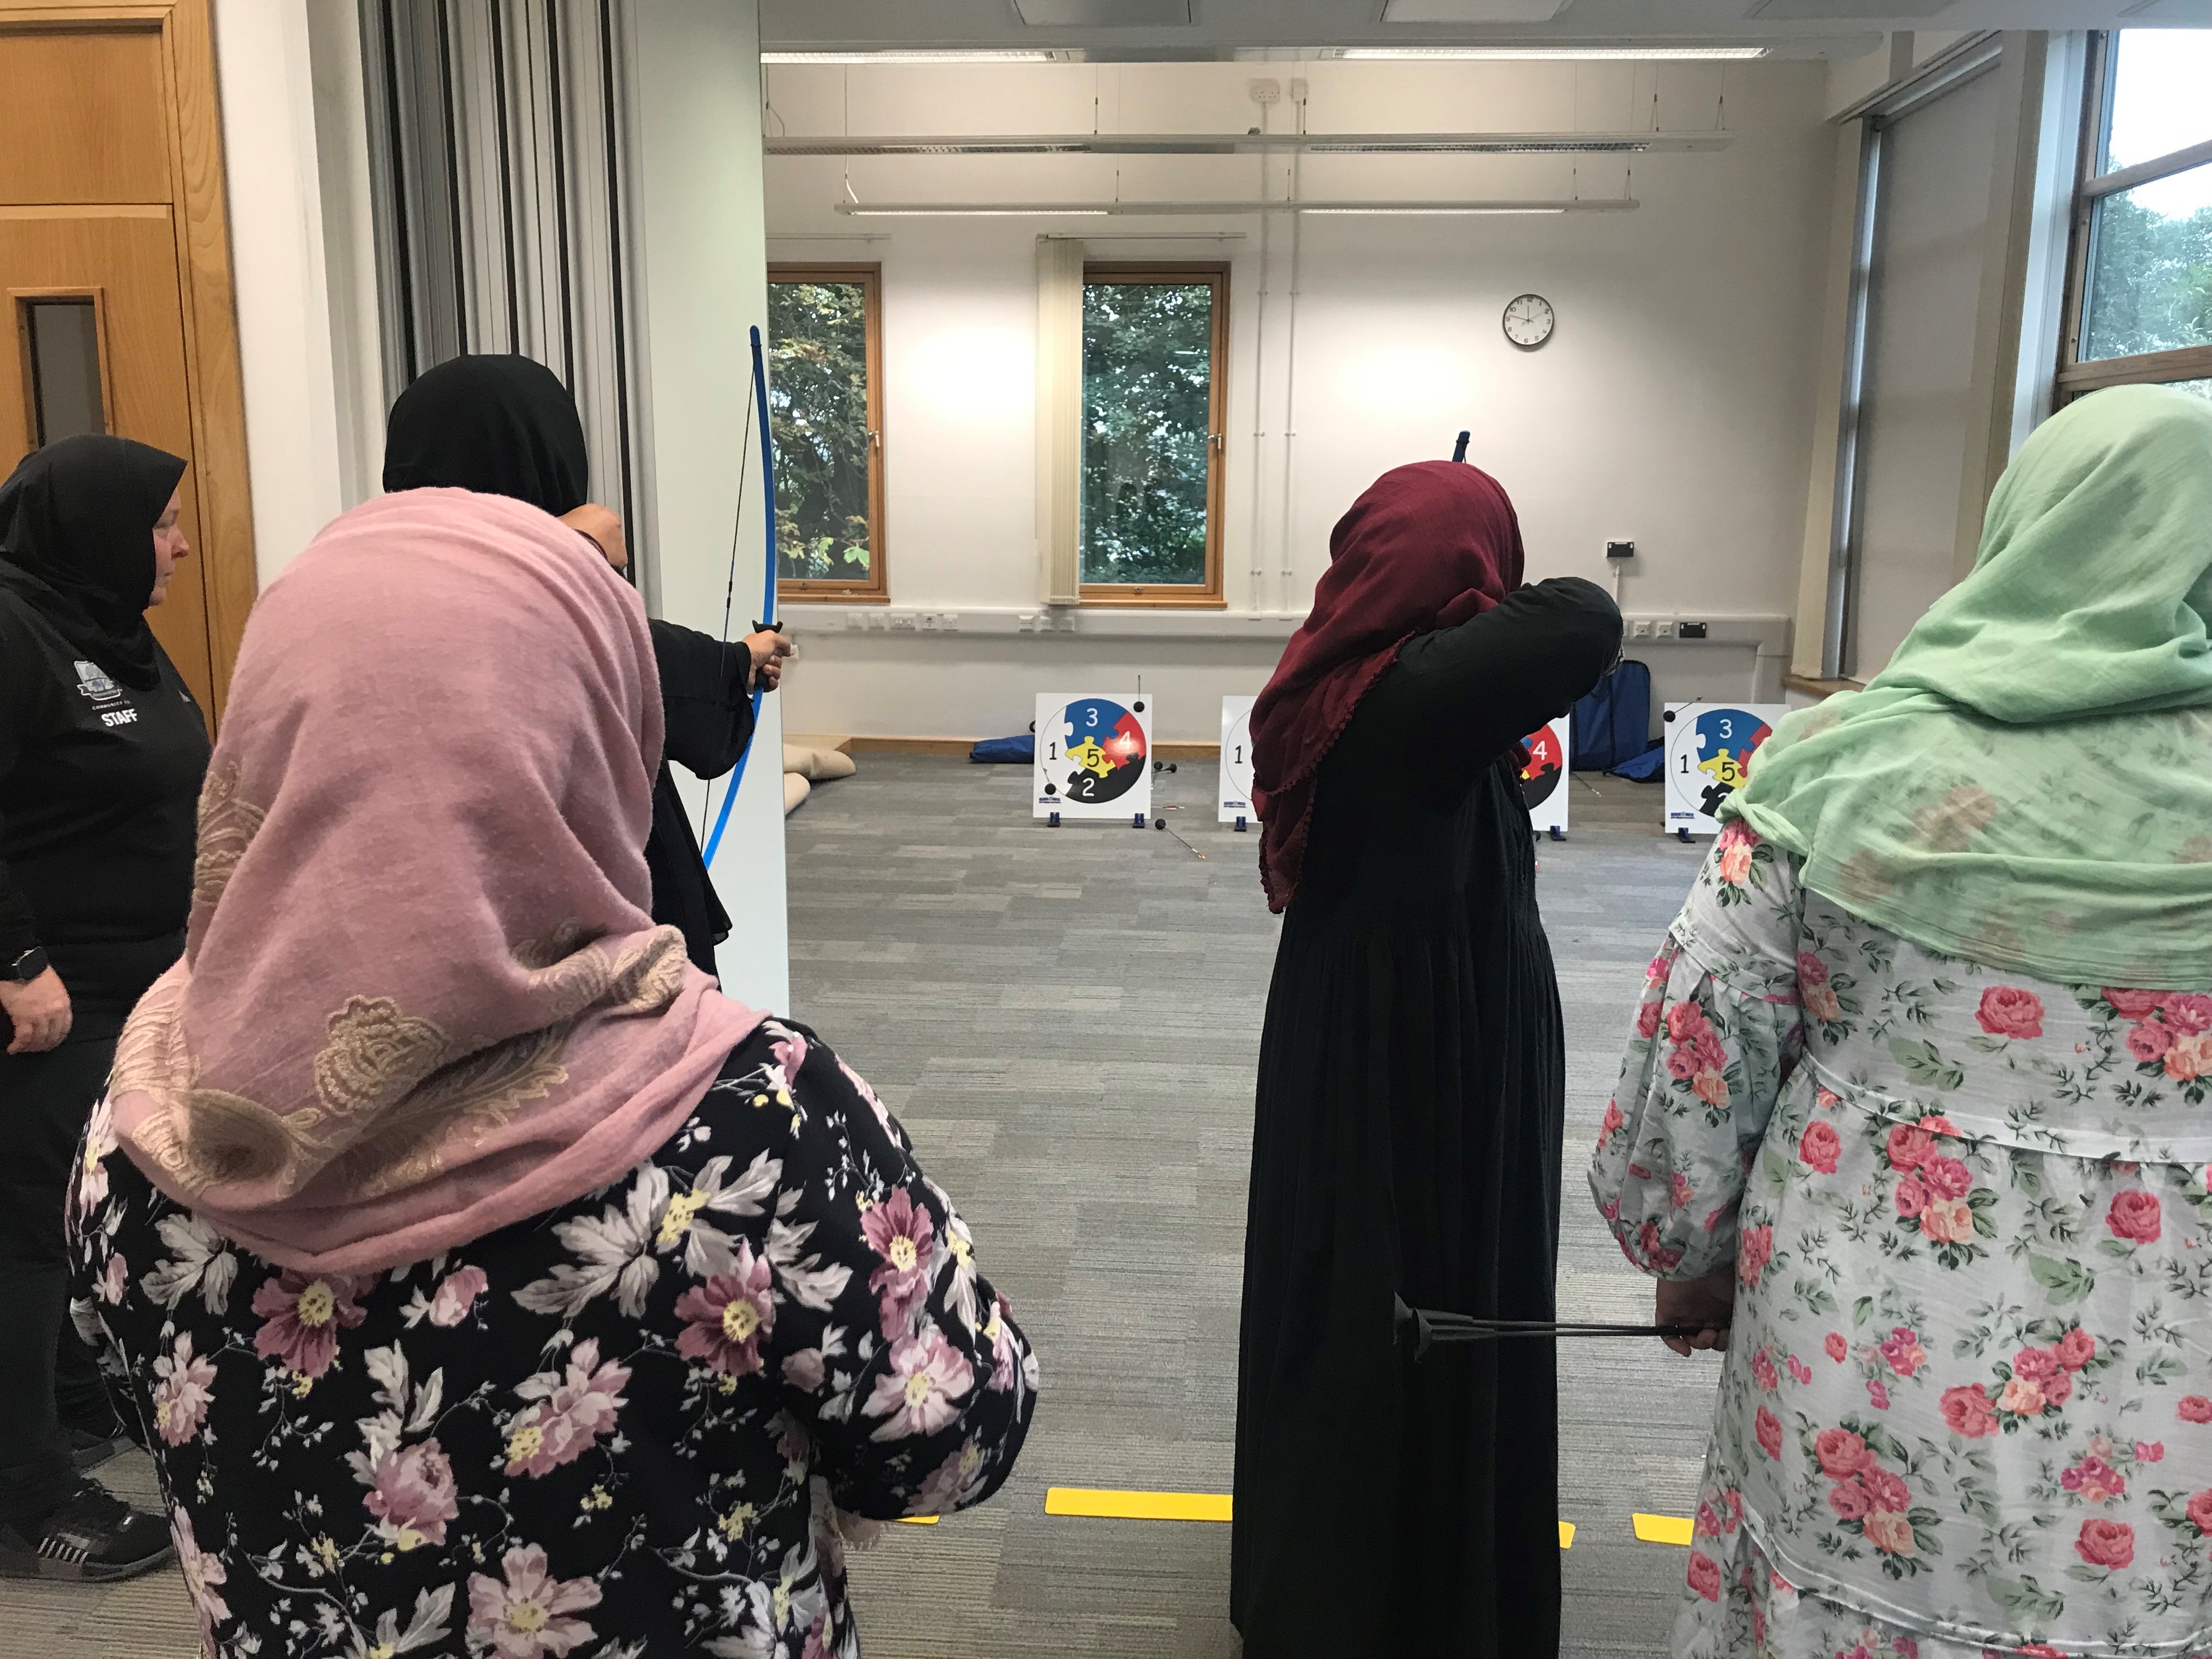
x=946 y=211
x=1542 y=54
x=1402 y=211
x=1220 y=210
x=949 y=55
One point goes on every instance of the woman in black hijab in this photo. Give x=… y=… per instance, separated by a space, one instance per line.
x=101 y=754
x=505 y=426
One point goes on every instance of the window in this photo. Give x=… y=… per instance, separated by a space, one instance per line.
x=1926 y=156
x=825 y=415
x=2139 y=300
x=1154 y=338
x=61 y=349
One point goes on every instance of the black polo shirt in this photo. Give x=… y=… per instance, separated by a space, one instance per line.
x=99 y=787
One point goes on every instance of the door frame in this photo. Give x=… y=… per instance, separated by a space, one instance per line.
x=215 y=383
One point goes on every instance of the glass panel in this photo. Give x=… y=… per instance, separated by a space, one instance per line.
x=2150 y=274
x=64 y=341
x=818 y=418
x=1147 y=394
x=2161 y=103
x=2195 y=388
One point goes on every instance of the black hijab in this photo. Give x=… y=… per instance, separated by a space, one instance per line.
x=500 y=426
x=76 y=544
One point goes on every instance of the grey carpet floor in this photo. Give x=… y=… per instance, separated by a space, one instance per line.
x=1068 y=1024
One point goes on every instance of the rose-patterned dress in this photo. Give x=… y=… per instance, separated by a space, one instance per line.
x=1966 y=1408
x=641 y=1424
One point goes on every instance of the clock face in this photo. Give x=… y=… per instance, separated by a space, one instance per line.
x=1529 y=320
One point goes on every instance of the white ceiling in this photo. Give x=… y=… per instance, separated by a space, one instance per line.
x=1222 y=27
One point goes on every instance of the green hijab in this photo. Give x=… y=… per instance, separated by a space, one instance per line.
x=2028 y=783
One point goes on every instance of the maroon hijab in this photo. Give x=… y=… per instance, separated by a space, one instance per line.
x=1426 y=547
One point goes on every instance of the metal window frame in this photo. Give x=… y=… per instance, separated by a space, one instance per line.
x=1969 y=60
x=2078 y=376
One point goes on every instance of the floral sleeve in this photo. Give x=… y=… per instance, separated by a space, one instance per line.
x=1717 y=1032
x=904 y=1365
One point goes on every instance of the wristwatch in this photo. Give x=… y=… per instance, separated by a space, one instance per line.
x=27 y=966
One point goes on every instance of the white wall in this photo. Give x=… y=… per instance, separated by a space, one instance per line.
x=697 y=92
x=1672 y=407
x=277 y=265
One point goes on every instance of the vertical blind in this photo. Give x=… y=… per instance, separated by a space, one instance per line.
x=1925 y=289
x=499 y=147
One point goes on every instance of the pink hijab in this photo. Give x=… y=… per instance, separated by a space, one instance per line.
x=421 y=996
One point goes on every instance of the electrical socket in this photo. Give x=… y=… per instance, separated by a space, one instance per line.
x=1640 y=629
x=1663 y=628
x=1266 y=92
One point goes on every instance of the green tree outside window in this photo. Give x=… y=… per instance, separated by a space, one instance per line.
x=818 y=420
x=2150 y=286
x=1147 y=404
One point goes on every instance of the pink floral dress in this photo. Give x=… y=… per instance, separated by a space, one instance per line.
x=1966 y=1408
x=640 y=1425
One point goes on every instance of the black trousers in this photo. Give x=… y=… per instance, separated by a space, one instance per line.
x=47 y=1375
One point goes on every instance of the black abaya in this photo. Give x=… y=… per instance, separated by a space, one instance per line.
x=1406 y=1139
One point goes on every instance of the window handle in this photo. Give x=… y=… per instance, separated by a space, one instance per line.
x=1217 y=440
x=875 y=439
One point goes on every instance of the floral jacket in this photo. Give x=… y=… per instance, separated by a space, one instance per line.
x=640 y=1425
x=1967 y=1389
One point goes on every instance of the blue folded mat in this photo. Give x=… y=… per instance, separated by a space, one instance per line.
x=1019 y=751
x=1643 y=768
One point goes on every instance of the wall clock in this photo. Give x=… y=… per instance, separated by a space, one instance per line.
x=1529 y=320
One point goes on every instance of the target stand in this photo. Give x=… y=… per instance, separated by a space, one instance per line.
x=1093 y=757
x=1544 y=778
x=1710 y=746
x=1233 y=794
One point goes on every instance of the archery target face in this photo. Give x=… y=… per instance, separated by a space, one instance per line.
x=1710 y=747
x=1094 y=752
x=1236 y=787
x=1544 y=776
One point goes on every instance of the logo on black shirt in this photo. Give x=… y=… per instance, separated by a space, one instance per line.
x=95 y=685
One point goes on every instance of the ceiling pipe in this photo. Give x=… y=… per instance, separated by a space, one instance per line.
x=1243 y=143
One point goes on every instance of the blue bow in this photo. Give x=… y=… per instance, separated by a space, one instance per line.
x=768 y=585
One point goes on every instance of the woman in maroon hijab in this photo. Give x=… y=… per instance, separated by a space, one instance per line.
x=1406 y=1137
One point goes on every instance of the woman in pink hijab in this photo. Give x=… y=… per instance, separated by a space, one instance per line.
x=482 y=1275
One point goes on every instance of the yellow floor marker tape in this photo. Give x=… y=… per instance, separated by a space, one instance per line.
x=1663 y=1528
x=1096 y=1504
x=1137 y=1505
x=918 y=1520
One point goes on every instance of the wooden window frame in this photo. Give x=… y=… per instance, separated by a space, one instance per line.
x=1206 y=595
x=2077 y=377
x=877 y=590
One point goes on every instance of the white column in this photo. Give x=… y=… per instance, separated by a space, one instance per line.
x=271 y=173
x=703 y=255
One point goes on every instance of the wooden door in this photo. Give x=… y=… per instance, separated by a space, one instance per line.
x=115 y=274
x=107 y=276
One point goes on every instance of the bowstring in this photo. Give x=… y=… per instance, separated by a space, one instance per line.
x=729 y=588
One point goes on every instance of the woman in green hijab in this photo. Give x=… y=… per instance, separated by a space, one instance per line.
x=1917 y=1115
